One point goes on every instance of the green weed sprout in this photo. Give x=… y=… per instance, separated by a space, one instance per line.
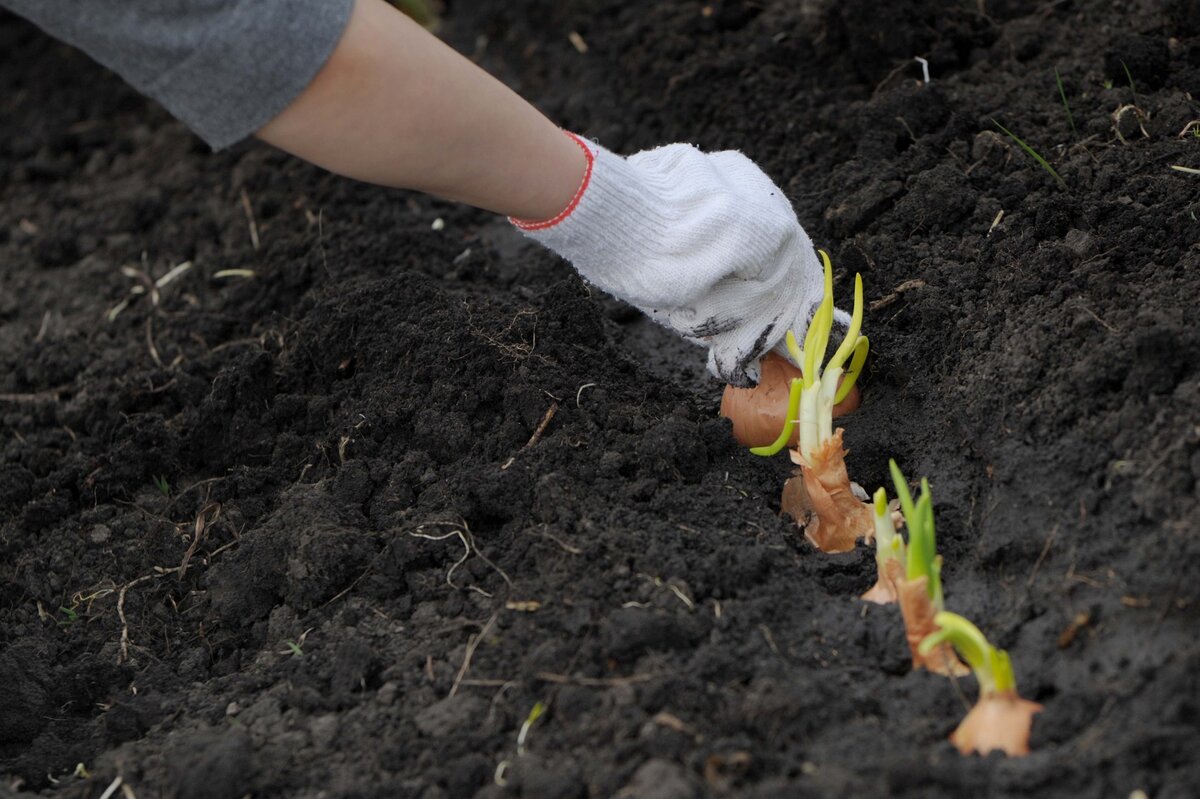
x=889 y=549
x=919 y=587
x=811 y=396
x=1063 y=94
x=1000 y=719
x=1034 y=154
x=1132 y=85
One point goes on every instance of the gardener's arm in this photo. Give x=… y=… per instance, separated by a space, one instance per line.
x=704 y=243
x=394 y=105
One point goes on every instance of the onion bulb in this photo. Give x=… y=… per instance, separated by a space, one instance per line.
x=759 y=413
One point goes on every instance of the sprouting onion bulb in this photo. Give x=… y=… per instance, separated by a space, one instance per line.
x=1001 y=720
x=811 y=396
x=889 y=549
x=921 y=559
x=888 y=544
x=919 y=583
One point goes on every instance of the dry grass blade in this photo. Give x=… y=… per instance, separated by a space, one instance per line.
x=207 y=516
x=250 y=221
x=223 y=274
x=472 y=645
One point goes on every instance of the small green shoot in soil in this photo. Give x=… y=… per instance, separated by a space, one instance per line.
x=160 y=482
x=1063 y=94
x=69 y=617
x=1062 y=184
x=536 y=713
x=1132 y=86
x=293 y=649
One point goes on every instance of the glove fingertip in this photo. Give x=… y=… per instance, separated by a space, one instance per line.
x=739 y=374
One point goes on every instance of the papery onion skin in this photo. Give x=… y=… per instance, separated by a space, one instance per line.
x=758 y=413
x=821 y=501
x=917 y=609
x=998 y=721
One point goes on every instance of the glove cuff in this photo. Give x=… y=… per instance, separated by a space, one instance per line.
x=531 y=227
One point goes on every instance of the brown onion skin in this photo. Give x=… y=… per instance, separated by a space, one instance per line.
x=758 y=413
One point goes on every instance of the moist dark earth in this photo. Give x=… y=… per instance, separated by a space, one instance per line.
x=287 y=531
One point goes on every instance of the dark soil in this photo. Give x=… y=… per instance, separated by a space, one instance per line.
x=233 y=523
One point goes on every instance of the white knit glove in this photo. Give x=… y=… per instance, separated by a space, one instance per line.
x=703 y=243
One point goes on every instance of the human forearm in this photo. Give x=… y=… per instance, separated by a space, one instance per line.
x=397 y=107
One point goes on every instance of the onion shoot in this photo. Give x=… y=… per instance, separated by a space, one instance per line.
x=919 y=583
x=820 y=497
x=889 y=549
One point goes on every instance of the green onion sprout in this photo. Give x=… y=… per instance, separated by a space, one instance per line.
x=811 y=396
x=992 y=666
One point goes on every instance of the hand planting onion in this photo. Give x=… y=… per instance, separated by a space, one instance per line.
x=918 y=581
x=820 y=497
x=759 y=413
x=1001 y=719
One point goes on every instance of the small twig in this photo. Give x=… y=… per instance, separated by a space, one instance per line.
x=472 y=645
x=903 y=65
x=221 y=274
x=924 y=68
x=321 y=239
x=112 y=788
x=150 y=341
x=595 y=682
x=1092 y=314
x=174 y=273
x=50 y=394
x=999 y=218
x=537 y=434
x=568 y=548
x=124 y=653
x=207 y=516
x=1042 y=557
x=770 y=639
x=250 y=219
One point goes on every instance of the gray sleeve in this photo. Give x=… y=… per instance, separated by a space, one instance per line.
x=223 y=67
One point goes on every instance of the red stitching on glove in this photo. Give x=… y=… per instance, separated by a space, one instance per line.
x=587 y=177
